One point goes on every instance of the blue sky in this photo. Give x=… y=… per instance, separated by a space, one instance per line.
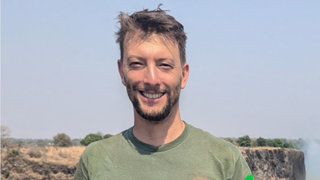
x=255 y=67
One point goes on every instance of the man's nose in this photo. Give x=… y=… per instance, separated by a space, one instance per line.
x=151 y=76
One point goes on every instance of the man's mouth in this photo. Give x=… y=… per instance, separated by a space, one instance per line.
x=151 y=95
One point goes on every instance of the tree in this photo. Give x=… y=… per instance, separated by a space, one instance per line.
x=277 y=143
x=254 y=143
x=90 y=138
x=62 y=140
x=261 y=141
x=288 y=145
x=244 y=141
x=269 y=142
x=107 y=136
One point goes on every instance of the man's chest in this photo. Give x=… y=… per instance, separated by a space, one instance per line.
x=158 y=166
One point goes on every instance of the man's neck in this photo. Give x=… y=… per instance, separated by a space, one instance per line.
x=158 y=133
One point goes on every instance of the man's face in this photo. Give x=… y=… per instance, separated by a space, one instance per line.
x=153 y=75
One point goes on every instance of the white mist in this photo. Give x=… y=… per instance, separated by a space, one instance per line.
x=311 y=151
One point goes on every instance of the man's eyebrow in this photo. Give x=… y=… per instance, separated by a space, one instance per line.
x=165 y=59
x=136 y=57
x=143 y=59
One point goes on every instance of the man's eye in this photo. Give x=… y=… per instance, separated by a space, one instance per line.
x=135 y=65
x=165 y=66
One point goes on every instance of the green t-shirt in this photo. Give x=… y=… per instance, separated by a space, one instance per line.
x=194 y=155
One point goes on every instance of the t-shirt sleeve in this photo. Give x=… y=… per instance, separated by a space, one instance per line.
x=242 y=170
x=81 y=171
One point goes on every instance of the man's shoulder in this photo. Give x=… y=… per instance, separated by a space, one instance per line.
x=219 y=151
x=204 y=136
x=205 y=139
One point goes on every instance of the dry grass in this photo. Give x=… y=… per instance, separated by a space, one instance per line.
x=41 y=162
x=50 y=154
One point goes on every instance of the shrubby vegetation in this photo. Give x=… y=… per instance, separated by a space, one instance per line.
x=246 y=141
x=289 y=145
x=92 y=137
x=13 y=153
x=62 y=140
x=107 y=136
x=261 y=141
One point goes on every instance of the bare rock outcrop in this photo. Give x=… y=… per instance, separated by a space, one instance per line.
x=275 y=163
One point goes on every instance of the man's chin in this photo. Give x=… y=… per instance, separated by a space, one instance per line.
x=153 y=116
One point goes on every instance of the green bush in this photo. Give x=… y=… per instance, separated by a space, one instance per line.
x=90 y=138
x=254 y=143
x=269 y=142
x=261 y=141
x=107 y=136
x=244 y=141
x=288 y=145
x=277 y=143
x=62 y=140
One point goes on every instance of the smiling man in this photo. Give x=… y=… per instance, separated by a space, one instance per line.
x=160 y=145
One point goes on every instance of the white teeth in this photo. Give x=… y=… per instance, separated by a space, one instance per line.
x=152 y=96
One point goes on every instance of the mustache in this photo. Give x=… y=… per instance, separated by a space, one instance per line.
x=145 y=87
x=149 y=88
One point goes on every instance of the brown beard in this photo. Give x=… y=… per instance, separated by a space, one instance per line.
x=173 y=98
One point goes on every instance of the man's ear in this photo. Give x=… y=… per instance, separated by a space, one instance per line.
x=120 y=70
x=185 y=75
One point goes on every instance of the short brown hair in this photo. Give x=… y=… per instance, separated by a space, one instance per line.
x=149 y=22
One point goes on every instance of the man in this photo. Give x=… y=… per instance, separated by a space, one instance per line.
x=160 y=145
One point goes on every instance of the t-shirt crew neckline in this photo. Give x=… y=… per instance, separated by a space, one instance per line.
x=151 y=148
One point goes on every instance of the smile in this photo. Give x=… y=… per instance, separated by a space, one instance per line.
x=151 y=95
